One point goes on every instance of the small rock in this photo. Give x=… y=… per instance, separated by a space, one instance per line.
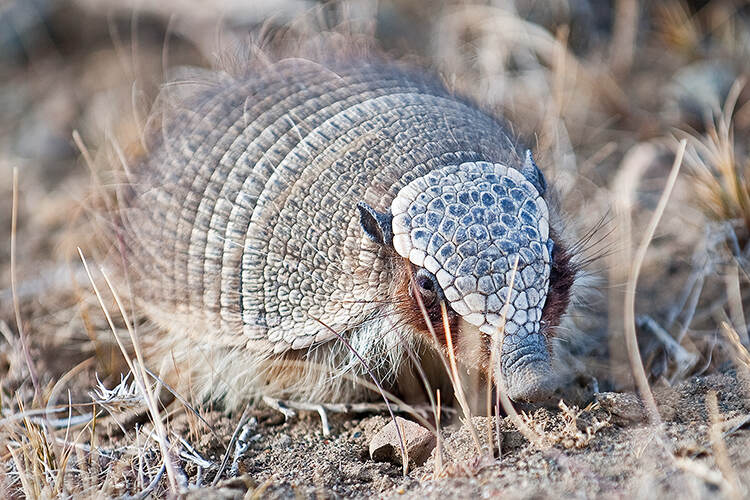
x=234 y=488
x=418 y=441
x=512 y=440
x=284 y=441
x=625 y=407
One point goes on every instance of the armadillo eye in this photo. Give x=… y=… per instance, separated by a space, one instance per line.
x=428 y=287
x=425 y=284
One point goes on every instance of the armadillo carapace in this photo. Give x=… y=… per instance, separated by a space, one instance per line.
x=285 y=218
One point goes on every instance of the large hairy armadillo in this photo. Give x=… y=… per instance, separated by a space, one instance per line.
x=284 y=218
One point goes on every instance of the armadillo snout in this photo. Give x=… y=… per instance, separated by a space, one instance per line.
x=526 y=367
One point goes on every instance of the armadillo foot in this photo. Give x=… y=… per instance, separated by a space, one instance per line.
x=287 y=409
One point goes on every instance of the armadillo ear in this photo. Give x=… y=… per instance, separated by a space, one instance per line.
x=533 y=174
x=376 y=225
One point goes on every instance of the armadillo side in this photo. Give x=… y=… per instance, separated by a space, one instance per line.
x=274 y=226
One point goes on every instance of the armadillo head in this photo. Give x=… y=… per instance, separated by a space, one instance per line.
x=463 y=228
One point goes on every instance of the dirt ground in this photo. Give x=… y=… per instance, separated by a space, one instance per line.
x=623 y=458
x=604 y=91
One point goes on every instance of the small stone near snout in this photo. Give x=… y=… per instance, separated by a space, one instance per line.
x=419 y=442
x=625 y=407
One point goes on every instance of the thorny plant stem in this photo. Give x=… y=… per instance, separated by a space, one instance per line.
x=139 y=375
x=631 y=341
x=151 y=399
x=16 y=305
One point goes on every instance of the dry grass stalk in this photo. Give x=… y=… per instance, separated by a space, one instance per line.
x=699 y=470
x=30 y=488
x=435 y=402
x=456 y=379
x=438 y=464
x=624 y=188
x=562 y=63
x=40 y=462
x=721 y=177
x=452 y=375
x=631 y=340
x=37 y=459
x=676 y=27
x=731 y=484
x=139 y=374
x=624 y=34
x=13 y=287
x=151 y=400
x=741 y=355
x=734 y=301
x=405 y=450
x=488 y=408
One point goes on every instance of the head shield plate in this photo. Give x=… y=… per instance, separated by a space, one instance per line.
x=467 y=224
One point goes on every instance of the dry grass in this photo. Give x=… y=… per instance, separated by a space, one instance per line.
x=601 y=106
x=566 y=432
x=720 y=170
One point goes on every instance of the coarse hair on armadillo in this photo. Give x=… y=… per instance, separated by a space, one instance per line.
x=329 y=373
x=239 y=231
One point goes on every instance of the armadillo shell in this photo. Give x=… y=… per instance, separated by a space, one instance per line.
x=244 y=216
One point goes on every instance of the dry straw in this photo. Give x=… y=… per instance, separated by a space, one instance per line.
x=720 y=176
x=139 y=373
x=630 y=329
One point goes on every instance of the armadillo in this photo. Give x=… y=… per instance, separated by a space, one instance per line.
x=294 y=229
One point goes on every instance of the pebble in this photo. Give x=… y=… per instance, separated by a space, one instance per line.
x=625 y=407
x=419 y=442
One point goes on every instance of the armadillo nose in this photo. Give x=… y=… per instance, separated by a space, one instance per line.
x=526 y=365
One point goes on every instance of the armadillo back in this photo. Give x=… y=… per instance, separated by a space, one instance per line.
x=244 y=217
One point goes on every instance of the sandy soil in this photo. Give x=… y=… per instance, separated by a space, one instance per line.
x=621 y=458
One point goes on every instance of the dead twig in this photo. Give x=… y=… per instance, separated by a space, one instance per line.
x=16 y=305
x=624 y=34
x=630 y=334
x=139 y=375
x=731 y=482
x=684 y=359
